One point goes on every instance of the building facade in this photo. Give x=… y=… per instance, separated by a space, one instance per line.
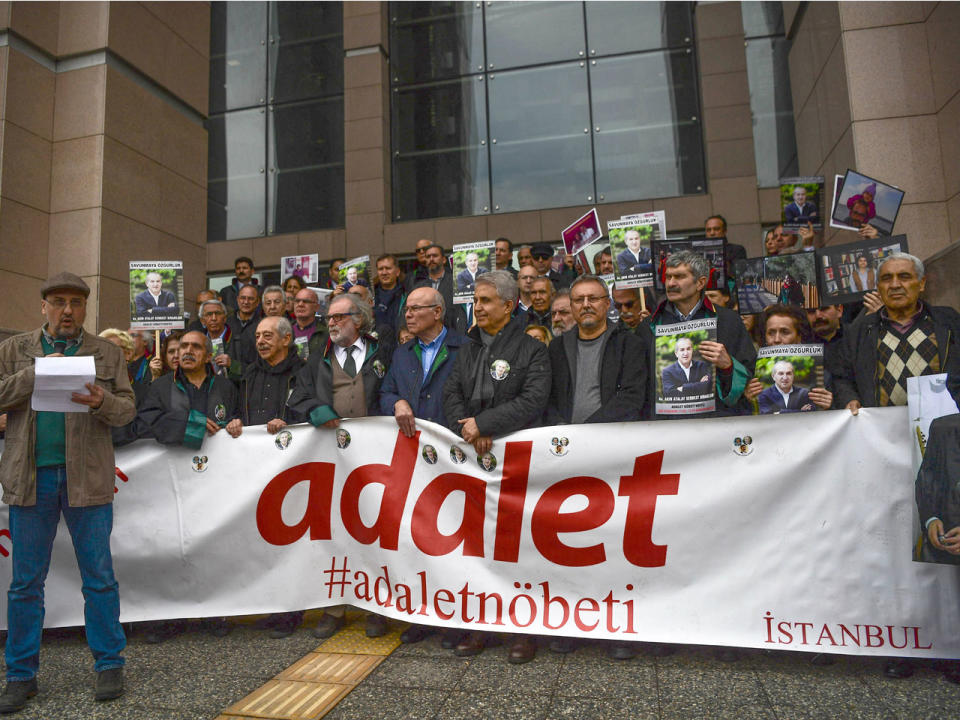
x=137 y=131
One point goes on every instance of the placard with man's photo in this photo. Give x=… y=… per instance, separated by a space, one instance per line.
x=685 y=381
x=848 y=272
x=712 y=249
x=305 y=267
x=788 y=373
x=156 y=295
x=865 y=201
x=468 y=261
x=783 y=279
x=355 y=272
x=801 y=201
x=630 y=240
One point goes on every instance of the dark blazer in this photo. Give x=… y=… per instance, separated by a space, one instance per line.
x=673 y=378
x=627 y=263
x=467 y=282
x=623 y=377
x=264 y=390
x=166 y=411
x=796 y=215
x=405 y=379
x=771 y=401
x=937 y=491
x=146 y=306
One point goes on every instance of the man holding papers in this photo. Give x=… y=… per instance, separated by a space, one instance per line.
x=61 y=462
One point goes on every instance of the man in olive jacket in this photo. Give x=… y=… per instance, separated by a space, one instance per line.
x=53 y=463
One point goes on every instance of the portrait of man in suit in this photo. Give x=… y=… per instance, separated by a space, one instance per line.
x=800 y=211
x=686 y=377
x=782 y=396
x=467 y=279
x=635 y=258
x=155 y=300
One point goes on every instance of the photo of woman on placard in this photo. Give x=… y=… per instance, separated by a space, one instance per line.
x=864 y=276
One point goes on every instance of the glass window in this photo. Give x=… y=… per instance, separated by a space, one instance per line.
x=621 y=27
x=540 y=153
x=762 y=19
x=774 y=138
x=238 y=38
x=533 y=33
x=440 y=149
x=236 y=189
x=435 y=40
x=647 y=140
x=306 y=51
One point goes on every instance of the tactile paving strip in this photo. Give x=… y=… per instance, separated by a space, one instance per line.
x=313 y=685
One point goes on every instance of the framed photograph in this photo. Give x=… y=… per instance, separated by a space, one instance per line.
x=355 y=272
x=784 y=279
x=856 y=265
x=865 y=201
x=801 y=200
x=712 y=249
x=156 y=295
x=306 y=267
x=468 y=261
x=685 y=381
x=788 y=373
x=581 y=233
x=630 y=241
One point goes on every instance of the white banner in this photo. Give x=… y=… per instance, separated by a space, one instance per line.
x=791 y=532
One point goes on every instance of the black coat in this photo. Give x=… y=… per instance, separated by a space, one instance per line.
x=264 y=390
x=312 y=397
x=501 y=406
x=623 y=377
x=855 y=370
x=938 y=484
x=167 y=415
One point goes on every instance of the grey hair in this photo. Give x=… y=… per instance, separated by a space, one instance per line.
x=917 y=263
x=274 y=289
x=695 y=261
x=283 y=325
x=781 y=363
x=154 y=274
x=504 y=284
x=359 y=307
x=212 y=302
x=207 y=342
x=561 y=293
x=588 y=278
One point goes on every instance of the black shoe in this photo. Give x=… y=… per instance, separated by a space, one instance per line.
x=823 y=659
x=328 y=626
x=898 y=669
x=157 y=632
x=376 y=626
x=219 y=627
x=109 y=684
x=415 y=633
x=563 y=645
x=622 y=650
x=16 y=694
x=451 y=638
x=285 y=624
x=523 y=650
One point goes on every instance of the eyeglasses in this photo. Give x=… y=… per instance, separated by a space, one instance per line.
x=339 y=317
x=418 y=308
x=621 y=305
x=592 y=299
x=60 y=303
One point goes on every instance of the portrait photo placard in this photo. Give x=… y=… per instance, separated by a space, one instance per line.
x=784 y=279
x=581 y=233
x=468 y=261
x=156 y=295
x=355 y=272
x=305 y=267
x=788 y=373
x=630 y=240
x=865 y=201
x=801 y=202
x=685 y=381
x=848 y=272
x=711 y=248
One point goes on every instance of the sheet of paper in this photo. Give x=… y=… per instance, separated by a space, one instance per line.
x=57 y=378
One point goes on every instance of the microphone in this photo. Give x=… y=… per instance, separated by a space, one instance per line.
x=59 y=345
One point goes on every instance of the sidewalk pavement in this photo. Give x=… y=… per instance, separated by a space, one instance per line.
x=197 y=676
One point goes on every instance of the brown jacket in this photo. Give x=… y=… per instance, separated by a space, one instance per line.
x=89 y=451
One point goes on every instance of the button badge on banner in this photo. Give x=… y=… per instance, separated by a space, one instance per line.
x=743 y=445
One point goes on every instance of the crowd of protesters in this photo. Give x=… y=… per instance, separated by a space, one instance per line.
x=537 y=346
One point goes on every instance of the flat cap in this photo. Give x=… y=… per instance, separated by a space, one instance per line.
x=65 y=281
x=541 y=249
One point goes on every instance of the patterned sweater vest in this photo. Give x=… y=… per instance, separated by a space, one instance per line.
x=904 y=355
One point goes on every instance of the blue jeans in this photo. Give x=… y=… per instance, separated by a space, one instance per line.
x=32 y=530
